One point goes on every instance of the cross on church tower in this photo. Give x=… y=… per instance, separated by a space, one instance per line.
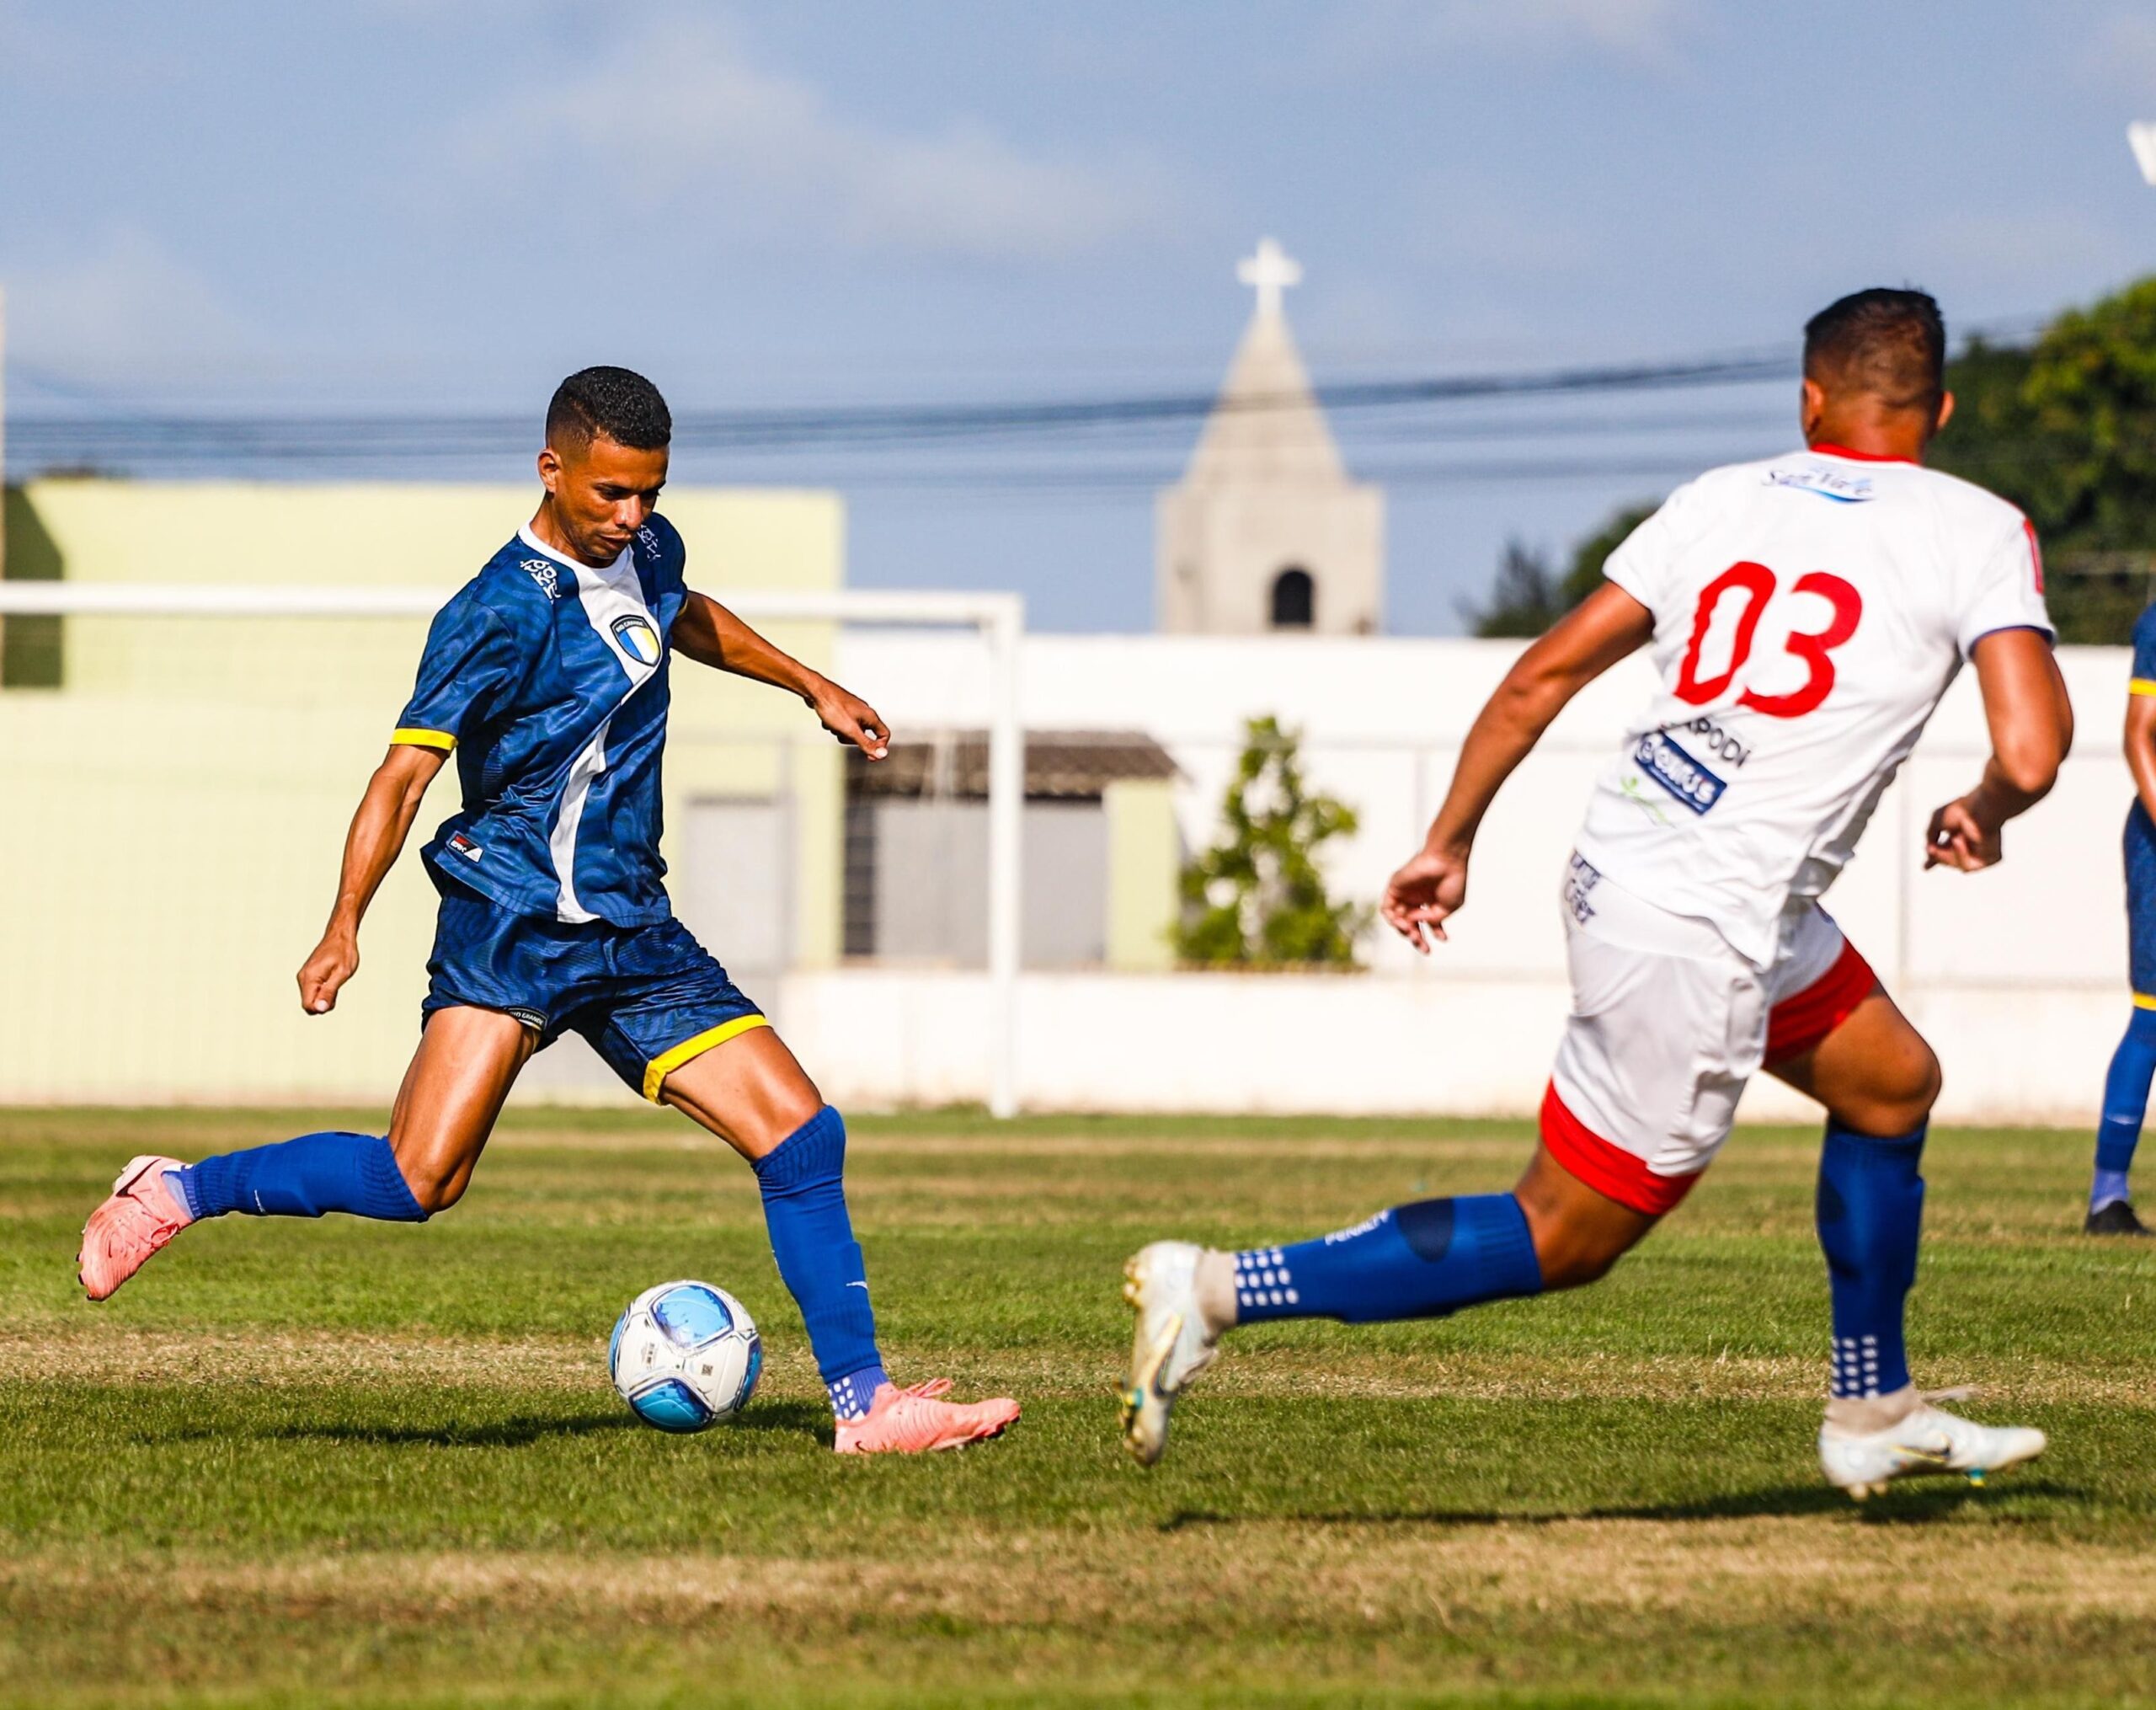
x=1269 y=272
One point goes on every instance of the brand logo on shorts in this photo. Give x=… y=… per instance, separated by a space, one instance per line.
x=1678 y=772
x=462 y=845
x=535 y=1019
x=634 y=635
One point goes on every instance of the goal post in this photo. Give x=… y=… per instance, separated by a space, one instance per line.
x=998 y=618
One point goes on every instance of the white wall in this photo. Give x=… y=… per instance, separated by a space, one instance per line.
x=2018 y=975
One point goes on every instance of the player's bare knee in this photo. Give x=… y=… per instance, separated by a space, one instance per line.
x=1899 y=1095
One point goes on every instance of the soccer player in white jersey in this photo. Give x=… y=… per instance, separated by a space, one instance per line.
x=1804 y=615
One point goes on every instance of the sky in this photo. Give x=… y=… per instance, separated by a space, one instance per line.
x=437 y=206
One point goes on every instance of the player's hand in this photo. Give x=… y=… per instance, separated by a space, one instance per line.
x=1963 y=837
x=851 y=720
x=335 y=960
x=1421 y=896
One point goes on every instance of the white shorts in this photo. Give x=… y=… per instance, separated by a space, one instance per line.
x=1667 y=1024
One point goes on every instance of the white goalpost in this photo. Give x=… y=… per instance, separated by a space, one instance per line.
x=998 y=618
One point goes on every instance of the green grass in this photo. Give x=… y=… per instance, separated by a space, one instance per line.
x=352 y=1464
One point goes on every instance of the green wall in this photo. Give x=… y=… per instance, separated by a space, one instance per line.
x=174 y=793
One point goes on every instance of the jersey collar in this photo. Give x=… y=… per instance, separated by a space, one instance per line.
x=559 y=557
x=1824 y=449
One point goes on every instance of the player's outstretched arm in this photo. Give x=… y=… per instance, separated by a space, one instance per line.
x=1602 y=629
x=710 y=634
x=379 y=828
x=2032 y=724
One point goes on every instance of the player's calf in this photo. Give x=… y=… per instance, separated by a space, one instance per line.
x=1424 y=1260
x=156 y=1198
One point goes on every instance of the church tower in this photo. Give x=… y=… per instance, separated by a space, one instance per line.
x=1265 y=531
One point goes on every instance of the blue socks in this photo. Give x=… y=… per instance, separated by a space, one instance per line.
x=1870 y=1209
x=1419 y=1261
x=820 y=1261
x=2125 y=1102
x=302 y=1178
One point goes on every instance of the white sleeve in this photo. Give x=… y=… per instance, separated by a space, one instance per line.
x=2007 y=591
x=1643 y=565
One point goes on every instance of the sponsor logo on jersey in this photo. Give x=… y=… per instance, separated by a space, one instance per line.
x=546 y=574
x=1582 y=878
x=464 y=846
x=1826 y=483
x=1677 y=772
x=634 y=635
x=650 y=536
x=1719 y=742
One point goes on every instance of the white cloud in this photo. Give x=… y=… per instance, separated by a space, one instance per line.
x=684 y=124
x=118 y=309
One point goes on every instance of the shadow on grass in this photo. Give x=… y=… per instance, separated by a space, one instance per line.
x=796 y=1418
x=1915 y=1505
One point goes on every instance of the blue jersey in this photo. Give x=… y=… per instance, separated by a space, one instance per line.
x=2144 y=654
x=548 y=679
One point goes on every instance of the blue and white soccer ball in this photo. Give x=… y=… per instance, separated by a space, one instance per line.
x=685 y=1356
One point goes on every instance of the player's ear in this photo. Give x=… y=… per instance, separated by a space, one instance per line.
x=1945 y=411
x=1811 y=406
x=550 y=468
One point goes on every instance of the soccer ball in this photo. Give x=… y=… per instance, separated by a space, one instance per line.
x=685 y=1356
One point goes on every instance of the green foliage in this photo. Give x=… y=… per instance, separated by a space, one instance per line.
x=1257 y=899
x=1529 y=595
x=2067 y=430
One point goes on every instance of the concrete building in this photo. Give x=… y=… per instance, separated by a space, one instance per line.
x=1266 y=532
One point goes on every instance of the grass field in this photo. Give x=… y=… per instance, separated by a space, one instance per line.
x=343 y=1463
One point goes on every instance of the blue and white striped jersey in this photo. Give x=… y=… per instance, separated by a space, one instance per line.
x=548 y=679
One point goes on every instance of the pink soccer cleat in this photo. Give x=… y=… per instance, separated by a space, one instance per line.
x=142 y=1216
x=915 y=1420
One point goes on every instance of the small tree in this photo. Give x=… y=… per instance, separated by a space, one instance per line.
x=1529 y=594
x=1256 y=897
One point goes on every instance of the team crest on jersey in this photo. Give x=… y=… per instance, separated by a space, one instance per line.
x=1677 y=772
x=1826 y=483
x=634 y=635
x=544 y=572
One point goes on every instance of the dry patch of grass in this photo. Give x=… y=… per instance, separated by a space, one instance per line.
x=1316 y=1575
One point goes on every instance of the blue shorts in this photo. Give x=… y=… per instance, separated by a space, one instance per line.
x=2141 y=902
x=648 y=998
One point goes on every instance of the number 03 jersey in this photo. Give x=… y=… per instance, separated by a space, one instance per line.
x=1809 y=611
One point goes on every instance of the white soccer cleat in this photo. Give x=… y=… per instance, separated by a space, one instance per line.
x=1171 y=1345
x=1928 y=1440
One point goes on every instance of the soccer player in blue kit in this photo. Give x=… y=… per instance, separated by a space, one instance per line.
x=546 y=675
x=2126 y=1087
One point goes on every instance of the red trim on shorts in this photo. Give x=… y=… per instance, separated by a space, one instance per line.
x=1800 y=1021
x=1610 y=1170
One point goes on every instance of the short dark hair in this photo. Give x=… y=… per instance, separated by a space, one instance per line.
x=614 y=403
x=1890 y=343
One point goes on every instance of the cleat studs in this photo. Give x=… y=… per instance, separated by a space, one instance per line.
x=1977 y=1477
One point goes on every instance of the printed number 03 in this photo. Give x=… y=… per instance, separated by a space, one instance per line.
x=1755 y=584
